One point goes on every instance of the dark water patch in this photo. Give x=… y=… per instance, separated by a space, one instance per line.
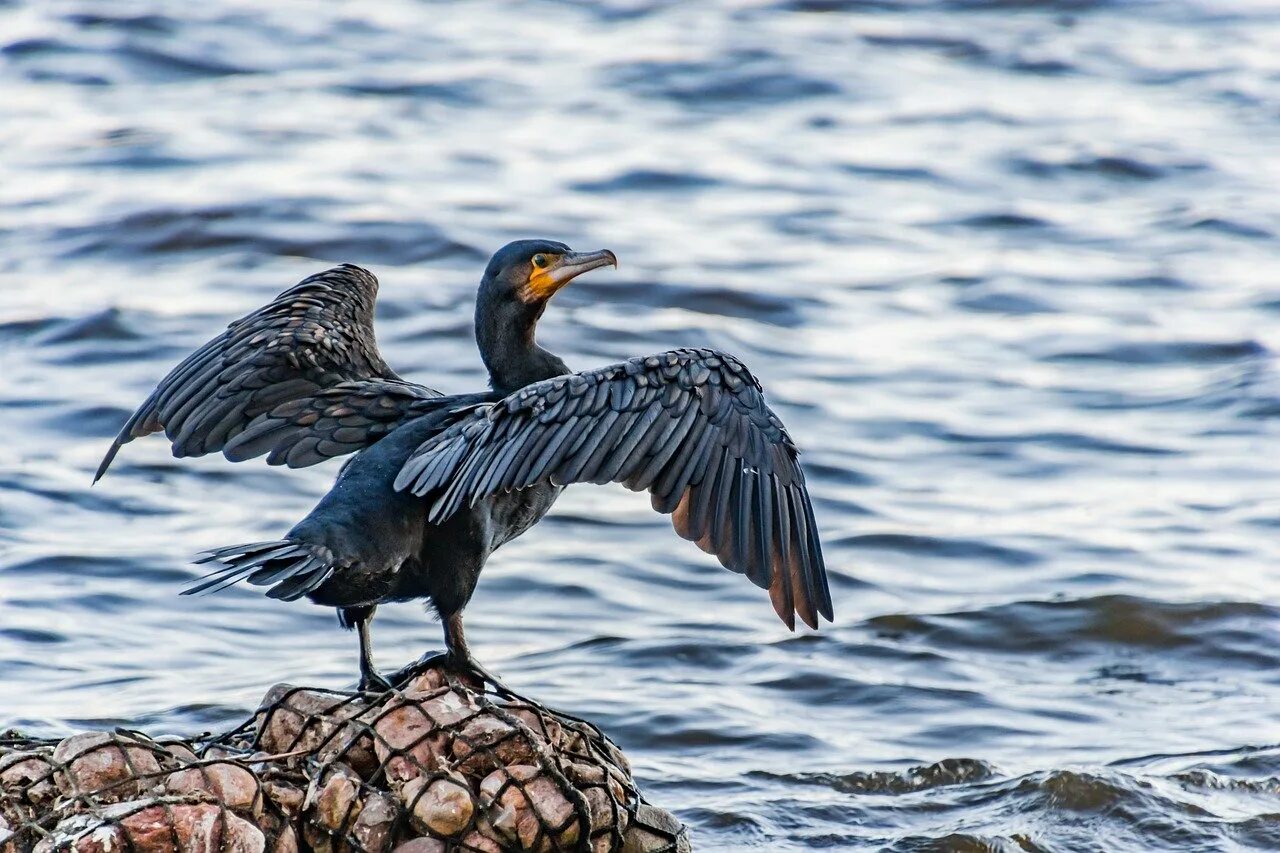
x=830 y=6
x=963 y=842
x=106 y=325
x=651 y=180
x=32 y=635
x=1064 y=441
x=287 y=227
x=1201 y=778
x=1151 y=282
x=74 y=495
x=893 y=173
x=1001 y=221
x=998 y=302
x=1223 y=632
x=462 y=93
x=1166 y=352
x=675 y=732
x=131 y=148
x=36 y=47
x=1116 y=167
x=76 y=565
x=718 y=656
x=1230 y=228
x=57 y=59
x=942 y=548
x=906 y=700
x=1030 y=5
x=100 y=421
x=73 y=78
x=1261 y=832
x=949 y=771
x=145 y=23
x=158 y=65
x=956 y=48
x=747 y=304
x=979 y=116
x=733 y=80
x=1094 y=792
x=22 y=329
x=845 y=474
x=1041 y=67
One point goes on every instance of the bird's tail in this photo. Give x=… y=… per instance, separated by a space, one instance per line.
x=292 y=569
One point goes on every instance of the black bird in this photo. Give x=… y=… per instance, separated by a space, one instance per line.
x=441 y=481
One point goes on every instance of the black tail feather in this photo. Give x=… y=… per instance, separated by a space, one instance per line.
x=293 y=568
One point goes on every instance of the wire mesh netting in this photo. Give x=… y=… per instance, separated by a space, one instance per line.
x=435 y=766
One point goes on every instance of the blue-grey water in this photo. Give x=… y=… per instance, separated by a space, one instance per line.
x=1008 y=269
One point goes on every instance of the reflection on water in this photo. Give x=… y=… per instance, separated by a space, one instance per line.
x=1007 y=269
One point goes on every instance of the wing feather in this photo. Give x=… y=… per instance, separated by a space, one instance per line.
x=315 y=341
x=691 y=426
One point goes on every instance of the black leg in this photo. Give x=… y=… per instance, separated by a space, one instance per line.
x=370 y=679
x=457 y=657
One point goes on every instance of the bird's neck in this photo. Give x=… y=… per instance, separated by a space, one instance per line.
x=505 y=334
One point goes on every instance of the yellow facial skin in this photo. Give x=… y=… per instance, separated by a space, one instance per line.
x=550 y=271
x=542 y=281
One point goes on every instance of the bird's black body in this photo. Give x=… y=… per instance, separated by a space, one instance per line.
x=383 y=544
x=438 y=483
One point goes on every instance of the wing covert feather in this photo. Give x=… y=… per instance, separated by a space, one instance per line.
x=310 y=342
x=690 y=426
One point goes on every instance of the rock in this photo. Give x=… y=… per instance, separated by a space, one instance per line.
x=8 y=837
x=328 y=773
x=286 y=840
x=142 y=828
x=181 y=753
x=487 y=743
x=27 y=777
x=337 y=803
x=109 y=767
x=442 y=807
x=427 y=682
x=641 y=837
x=292 y=719
x=605 y=795
x=288 y=798
x=546 y=728
x=375 y=825
x=316 y=839
x=410 y=738
x=422 y=845
x=520 y=799
x=478 y=842
x=235 y=786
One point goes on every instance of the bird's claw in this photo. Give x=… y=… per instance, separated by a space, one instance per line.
x=464 y=666
x=372 y=681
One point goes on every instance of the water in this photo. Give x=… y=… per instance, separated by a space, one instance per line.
x=1007 y=269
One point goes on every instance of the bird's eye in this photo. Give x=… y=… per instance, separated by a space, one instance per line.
x=540 y=261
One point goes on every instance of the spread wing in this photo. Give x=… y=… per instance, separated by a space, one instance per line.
x=690 y=426
x=314 y=342
x=332 y=422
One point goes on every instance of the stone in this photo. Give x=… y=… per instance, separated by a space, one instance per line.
x=232 y=784
x=441 y=806
x=110 y=768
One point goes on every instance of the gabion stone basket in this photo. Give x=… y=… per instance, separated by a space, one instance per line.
x=436 y=766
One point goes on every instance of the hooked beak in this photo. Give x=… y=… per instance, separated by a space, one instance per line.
x=569 y=266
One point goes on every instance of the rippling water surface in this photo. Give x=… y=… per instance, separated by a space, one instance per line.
x=1007 y=268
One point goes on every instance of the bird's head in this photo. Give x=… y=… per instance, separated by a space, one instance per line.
x=531 y=271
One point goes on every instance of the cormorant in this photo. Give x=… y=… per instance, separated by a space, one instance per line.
x=441 y=481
